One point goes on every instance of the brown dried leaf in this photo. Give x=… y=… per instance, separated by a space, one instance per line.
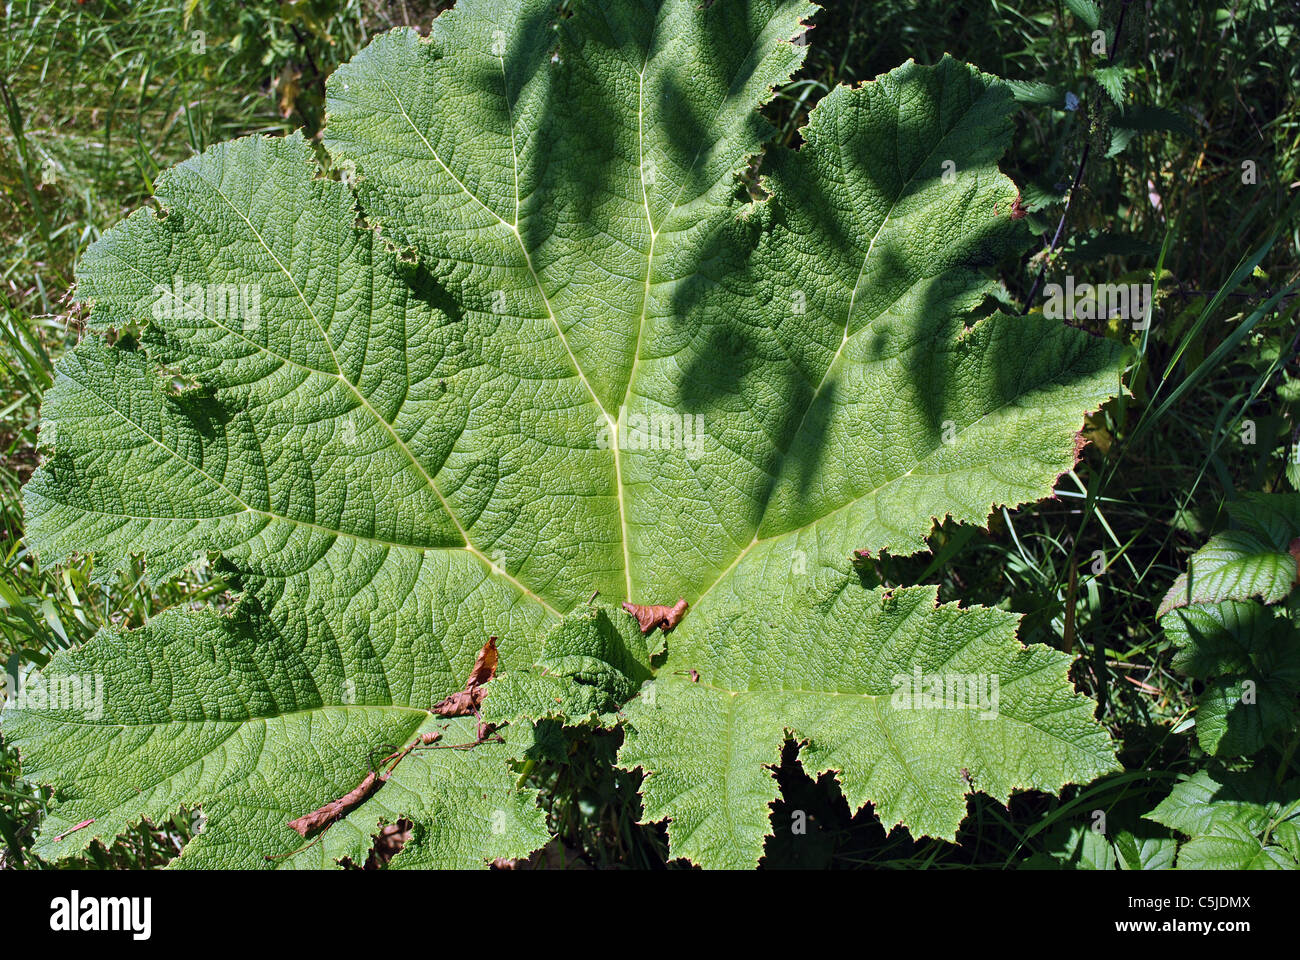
x=289 y=84
x=485 y=665
x=336 y=810
x=649 y=617
x=467 y=701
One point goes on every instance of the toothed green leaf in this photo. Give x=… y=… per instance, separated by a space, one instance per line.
x=1234 y=821
x=1113 y=80
x=1253 y=559
x=1087 y=11
x=913 y=706
x=1248 y=655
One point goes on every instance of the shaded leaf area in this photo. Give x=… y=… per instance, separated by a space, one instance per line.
x=1140 y=847
x=1248 y=657
x=1112 y=837
x=412 y=434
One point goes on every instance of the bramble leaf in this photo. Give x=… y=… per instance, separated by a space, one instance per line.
x=1258 y=557
x=1111 y=838
x=1234 y=821
x=1249 y=657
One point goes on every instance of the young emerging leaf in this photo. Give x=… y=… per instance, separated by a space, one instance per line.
x=594 y=661
x=560 y=354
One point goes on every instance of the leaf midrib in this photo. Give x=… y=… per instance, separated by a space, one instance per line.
x=550 y=312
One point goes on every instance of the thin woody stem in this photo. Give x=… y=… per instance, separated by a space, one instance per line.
x=1078 y=179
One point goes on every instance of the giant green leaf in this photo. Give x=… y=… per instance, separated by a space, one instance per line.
x=534 y=344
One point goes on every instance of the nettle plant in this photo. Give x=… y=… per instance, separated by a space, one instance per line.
x=532 y=356
x=1233 y=617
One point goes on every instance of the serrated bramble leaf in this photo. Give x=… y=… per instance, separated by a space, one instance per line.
x=535 y=344
x=1249 y=657
x=1253 y=559
x=1230 y=846
x=1113 y=81
x=1234 y=821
